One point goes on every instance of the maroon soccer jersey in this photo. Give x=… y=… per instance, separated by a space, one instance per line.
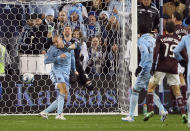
x=163 y=52
x=181 y=31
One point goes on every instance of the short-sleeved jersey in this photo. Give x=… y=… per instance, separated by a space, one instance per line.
x=181 y=31
x=163 y=54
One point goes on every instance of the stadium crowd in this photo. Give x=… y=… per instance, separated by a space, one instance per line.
x=96 y=25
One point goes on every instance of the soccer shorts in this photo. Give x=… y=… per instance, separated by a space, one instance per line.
x=142 y=80
x=172 y=79
x=59 y=77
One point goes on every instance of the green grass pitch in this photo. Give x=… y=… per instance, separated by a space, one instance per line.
x=90 y=123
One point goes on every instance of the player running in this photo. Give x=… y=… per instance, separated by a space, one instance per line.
x=164 y=64
x=146 y=45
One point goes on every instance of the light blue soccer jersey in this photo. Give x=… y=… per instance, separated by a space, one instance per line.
x=63 y=65
x=146 y=44
x=184 y=43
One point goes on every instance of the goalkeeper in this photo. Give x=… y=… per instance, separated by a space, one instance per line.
x=63 y=60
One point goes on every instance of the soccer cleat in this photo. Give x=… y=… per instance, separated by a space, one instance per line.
x=188 y=124
x=148 y=115
x=184 y=116
x=44 y=115
x=60 y=117
x=164 y=115
x=128 y=118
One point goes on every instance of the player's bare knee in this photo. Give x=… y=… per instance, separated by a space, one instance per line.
x=151 y=87
x=176 y=90
x=182 y=80
x=62 y=88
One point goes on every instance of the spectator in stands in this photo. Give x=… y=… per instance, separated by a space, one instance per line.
x=95 y=57
x=49 y=23
x=11 y=24
x=187 y=6
x=25 y=42
x=62 y=22
x=76 y=20
x=103 y=20
x=116 y=8
x=149 y=14
x=95 y=5
x=93 y=26
x=112 y=31
x=186 y=20
x=41 y=8
x=111 y=36
x=175 y=5
x=105 y=4
x=80 y=6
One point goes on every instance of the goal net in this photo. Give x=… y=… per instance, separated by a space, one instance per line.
x=106 y=29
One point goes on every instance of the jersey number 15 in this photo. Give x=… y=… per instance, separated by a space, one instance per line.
x=169 y=50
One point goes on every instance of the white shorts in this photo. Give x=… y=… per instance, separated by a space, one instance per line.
x=172 y=79
x=181 y=69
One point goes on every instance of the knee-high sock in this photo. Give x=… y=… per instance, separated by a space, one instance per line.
x=158 y=103
x=51 y=107
x=173 y=98
x=180 y=104
x=133 y=102
x=184 y=93
x=60 y=104
x=150 y=101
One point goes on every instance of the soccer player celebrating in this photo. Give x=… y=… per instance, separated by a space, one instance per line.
x=180 y=32
x=164 y=64
x=146 y=45
x=63 y=60
x=185 y=44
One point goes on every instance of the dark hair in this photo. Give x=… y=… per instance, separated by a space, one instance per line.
x=170 y=27
x=144 y=28
x=177 y=16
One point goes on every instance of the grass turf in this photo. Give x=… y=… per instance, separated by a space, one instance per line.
x=90 y=123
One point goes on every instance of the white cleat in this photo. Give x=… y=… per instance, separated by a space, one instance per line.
x=60 y=117
x=44 y=115
x=164 y=115
x=188 y=124
x=128 y=118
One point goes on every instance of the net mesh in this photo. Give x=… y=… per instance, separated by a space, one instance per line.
x=23 y=38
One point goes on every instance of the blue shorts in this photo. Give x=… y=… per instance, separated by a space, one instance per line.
x=59 y=77
x=142 y=80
